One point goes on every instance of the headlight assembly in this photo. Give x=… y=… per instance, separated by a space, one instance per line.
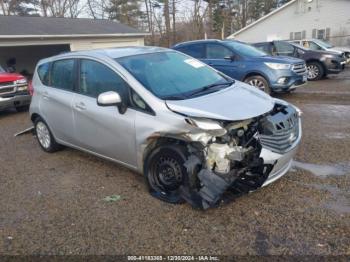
x=21 y=81
x=277 y=66
x=209 y=126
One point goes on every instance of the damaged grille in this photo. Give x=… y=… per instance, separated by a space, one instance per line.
x=280 y=130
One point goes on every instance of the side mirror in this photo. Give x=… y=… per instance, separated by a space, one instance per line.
x=231 y=57
x=111 y=98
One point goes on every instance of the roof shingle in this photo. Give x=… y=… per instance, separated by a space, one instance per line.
x=28 y=25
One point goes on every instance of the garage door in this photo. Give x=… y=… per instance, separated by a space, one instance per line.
x=26 y=57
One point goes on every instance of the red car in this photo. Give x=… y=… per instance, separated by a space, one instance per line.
x=14 y=91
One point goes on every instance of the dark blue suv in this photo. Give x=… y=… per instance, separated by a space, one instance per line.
x=249 y=64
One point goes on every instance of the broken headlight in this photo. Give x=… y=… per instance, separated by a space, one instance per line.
x=209 y=126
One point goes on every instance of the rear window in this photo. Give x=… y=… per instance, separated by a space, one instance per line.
x=62 y=74
x=43 y=72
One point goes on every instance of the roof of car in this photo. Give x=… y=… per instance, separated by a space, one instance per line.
x=112 y=52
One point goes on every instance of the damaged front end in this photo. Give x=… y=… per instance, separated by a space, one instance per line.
x=233 y=158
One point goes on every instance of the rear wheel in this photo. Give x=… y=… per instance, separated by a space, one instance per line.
x=165 y=172
x=45 y=137
x=314 y=71
x=258 y=82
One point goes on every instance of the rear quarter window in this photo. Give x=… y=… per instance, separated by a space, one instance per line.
x=43 y=73
x=62 y=74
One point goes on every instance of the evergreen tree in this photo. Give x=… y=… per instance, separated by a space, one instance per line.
x=126 y=12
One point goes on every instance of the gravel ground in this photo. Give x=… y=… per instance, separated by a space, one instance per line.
x=53 y=203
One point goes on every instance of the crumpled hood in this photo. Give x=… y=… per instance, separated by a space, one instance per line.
x=238 y=102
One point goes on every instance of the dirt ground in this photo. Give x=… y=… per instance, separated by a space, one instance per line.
x=53 y=203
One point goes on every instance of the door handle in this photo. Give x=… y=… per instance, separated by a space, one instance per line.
x=80 y=106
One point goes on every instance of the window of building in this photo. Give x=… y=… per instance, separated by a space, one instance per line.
x=323 y=34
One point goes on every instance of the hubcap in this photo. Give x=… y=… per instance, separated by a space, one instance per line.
x=257 y=83
x=312 y=71
x=43 y=134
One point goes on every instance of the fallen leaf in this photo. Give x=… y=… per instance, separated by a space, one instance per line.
x=112 y=198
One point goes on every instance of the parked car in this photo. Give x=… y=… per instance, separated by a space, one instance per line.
x=319 y=63
x=317 y=44
x=13 y=91
x=248 y=64
x=195 y=134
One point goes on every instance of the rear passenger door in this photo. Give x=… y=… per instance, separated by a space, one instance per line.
x=218 y=55
x=102 y=129
x=57 y=97
x=284 y=49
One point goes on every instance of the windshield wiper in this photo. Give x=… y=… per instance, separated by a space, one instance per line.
x=208 y=87
x=174 y=97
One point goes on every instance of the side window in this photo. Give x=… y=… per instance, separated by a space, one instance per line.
x=62 y=74
x=284 y=49
x=265 y=48
x=96 y=78
x=138 y=103
x=314 y=46
x=215 y=51
x=43 y=72
x=194 y=50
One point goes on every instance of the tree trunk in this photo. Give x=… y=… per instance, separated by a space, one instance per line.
x=167 y=22
x=174 y=22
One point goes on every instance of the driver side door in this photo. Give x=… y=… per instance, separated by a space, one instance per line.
x=102 y=129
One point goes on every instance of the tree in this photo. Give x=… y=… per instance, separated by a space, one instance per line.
x=97 y=8
x=15 y=7
x=126 y=12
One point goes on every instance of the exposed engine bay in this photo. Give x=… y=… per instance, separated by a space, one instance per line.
x=227 y=162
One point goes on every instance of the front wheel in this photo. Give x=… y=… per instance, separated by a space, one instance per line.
x=258 y=82
x=165 y=172
x=314 y=71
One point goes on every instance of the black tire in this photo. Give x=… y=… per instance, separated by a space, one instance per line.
x=165 y=172
x=315 y=71
x=22 y=108
x=52 y=145
x=258 y=82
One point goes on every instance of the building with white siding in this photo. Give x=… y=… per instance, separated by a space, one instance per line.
x=29 y=39
x=323 y=19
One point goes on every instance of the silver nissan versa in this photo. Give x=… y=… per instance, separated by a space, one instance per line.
x=196 y=134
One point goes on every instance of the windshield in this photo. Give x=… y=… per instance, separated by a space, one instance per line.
x=2 y=70
x=171 y=75
x=245 y=49
x=323 y=43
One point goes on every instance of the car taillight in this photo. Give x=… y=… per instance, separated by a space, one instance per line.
x=30 y=88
